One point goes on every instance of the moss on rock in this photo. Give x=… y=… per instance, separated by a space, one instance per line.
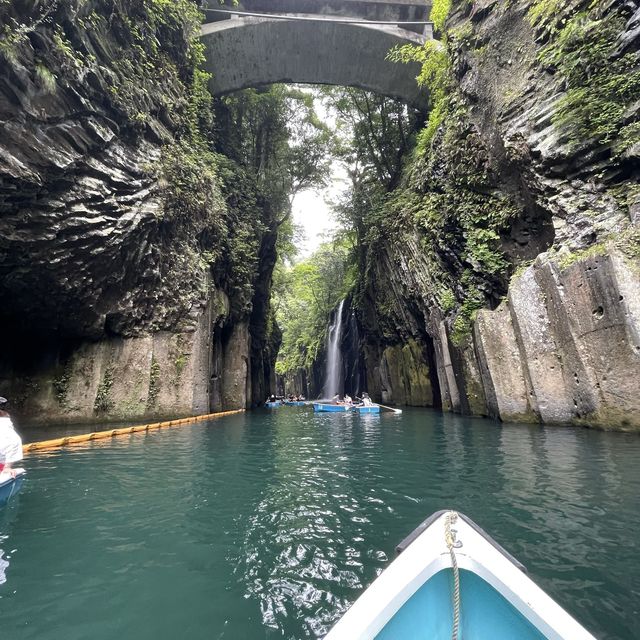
x=103 y=402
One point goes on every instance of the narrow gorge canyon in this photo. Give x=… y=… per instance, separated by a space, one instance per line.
x=498 y=273
x=132 y=255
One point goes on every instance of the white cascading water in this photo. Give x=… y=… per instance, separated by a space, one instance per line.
x=334 y=356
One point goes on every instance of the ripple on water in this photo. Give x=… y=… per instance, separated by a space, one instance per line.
x=272 y=523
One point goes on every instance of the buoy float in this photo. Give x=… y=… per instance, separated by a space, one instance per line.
x=111 y=433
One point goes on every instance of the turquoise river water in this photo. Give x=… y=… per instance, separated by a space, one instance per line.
x=269 y=524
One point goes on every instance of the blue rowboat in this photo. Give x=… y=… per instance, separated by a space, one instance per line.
x=374 y=408
x=321 y=406
x=273 y=405
x=9 y=485
x=416 y=596
x=295 y=403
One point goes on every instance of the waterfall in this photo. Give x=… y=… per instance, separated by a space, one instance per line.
x=334 y=356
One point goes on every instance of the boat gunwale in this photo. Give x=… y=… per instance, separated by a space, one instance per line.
x=19 y=476
x=11 y=486
x=338 y=407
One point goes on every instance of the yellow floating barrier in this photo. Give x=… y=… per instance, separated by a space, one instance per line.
x=112 y=433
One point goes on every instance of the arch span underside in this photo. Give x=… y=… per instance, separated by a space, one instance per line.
x=246 y=52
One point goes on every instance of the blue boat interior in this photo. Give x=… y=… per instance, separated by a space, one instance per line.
x=484 y=613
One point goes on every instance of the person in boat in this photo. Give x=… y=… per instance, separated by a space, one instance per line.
x=336 y=399
x=10 y=441
x=366 y=400
x=348 y=400
x=271 y=398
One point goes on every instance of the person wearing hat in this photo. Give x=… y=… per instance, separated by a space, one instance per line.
x=10 y=441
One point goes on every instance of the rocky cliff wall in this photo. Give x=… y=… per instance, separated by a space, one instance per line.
x=565 y=345
x=308 y=383
x=511 y=250
x=129 y=252
x=160 y=374
x=83 y=124
x=400 y=375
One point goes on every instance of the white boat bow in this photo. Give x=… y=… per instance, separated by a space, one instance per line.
x=426 y=555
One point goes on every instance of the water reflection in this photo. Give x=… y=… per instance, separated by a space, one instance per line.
x=310 y=516
x=270 y=524
x=4 y=564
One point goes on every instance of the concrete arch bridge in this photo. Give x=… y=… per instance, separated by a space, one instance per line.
x=335 y=42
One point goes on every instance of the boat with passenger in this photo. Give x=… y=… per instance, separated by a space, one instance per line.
x=451 y=580
x=272 y=402
x=338 y=404
x=331 y=408
x=11 y=477
x=367 y=405
x=323 y=406
x=295 y=401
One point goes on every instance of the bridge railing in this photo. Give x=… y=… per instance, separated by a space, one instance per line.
x=424 y=27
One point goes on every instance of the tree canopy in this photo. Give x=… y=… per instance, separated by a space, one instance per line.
x=276 y=133
x=371 y=138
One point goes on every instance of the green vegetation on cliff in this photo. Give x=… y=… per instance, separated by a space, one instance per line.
x=435 y=76
x=186 y=197
x=602 y=76
x=451 y=201
x=159 y=54
x=447 y=197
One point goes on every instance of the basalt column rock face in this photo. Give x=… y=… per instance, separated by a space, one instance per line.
x=568 y=340
x=402 y=373
x=398 y=350
x=265 y=333
x=512 y=247
x=156 y=375
x=119 y=240
x=353 y=365
x=82 y=248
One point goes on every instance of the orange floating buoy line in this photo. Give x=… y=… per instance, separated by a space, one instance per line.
x=124 y=431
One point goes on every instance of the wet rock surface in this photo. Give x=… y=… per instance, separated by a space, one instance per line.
x=555 y=341
x=564 y=345
x=82 y=248
x=112 y=277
